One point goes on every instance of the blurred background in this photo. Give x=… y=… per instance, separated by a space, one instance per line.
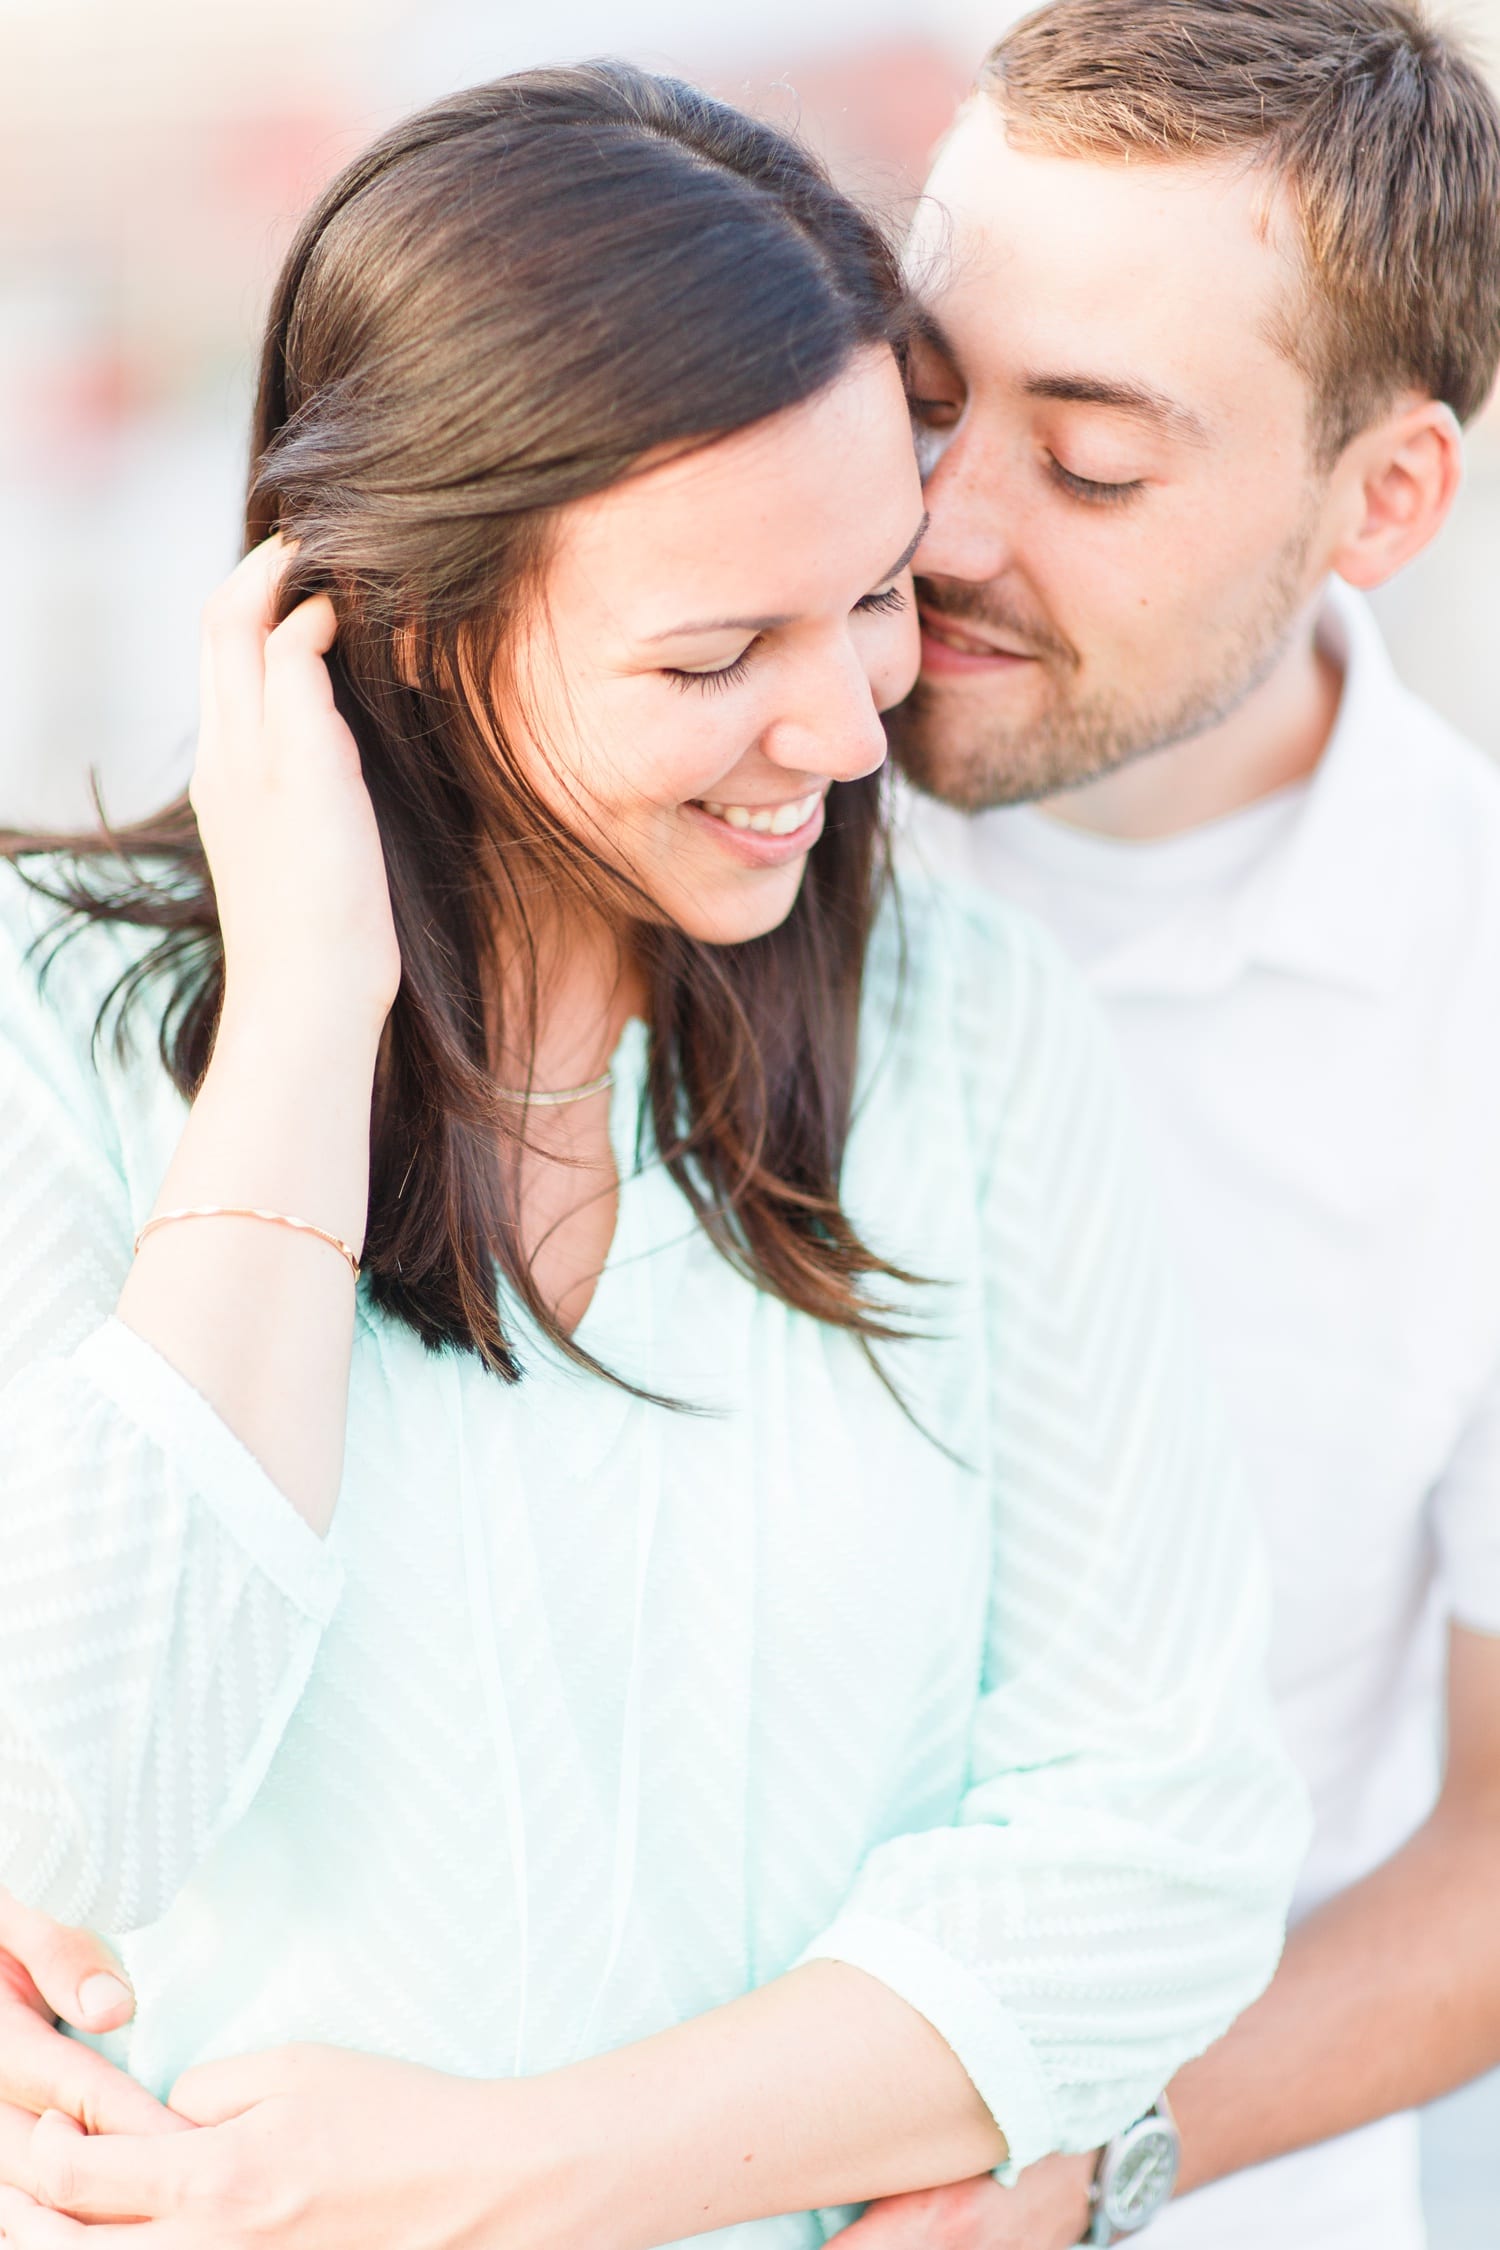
x=154 y=158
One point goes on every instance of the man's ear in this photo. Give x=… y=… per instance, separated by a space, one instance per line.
x=1402 y=476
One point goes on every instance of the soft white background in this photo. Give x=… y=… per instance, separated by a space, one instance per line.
x=154 y=155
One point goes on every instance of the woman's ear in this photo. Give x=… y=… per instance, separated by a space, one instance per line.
x=1403 y=475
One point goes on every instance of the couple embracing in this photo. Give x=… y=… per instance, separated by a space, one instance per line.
x=621 y=1586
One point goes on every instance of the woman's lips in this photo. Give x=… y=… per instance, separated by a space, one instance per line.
x=753 y=847
x=940 y=655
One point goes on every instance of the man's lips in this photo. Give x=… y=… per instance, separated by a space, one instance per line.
x=949 y=647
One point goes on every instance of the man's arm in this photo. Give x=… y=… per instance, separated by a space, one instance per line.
x=1387 y=1996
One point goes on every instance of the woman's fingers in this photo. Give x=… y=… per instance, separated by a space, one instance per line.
x=212 y=2093
x=24 y=2225
x=298 y=692
x=238 y=618
x=313 y=624
x=15 y=2146
x=110 y=2175
x=287 y=824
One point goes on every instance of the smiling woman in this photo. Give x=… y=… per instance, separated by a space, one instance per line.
x=433 y=454
x=719 y=1715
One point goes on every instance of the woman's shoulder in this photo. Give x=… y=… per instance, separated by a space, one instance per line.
x=954 y=971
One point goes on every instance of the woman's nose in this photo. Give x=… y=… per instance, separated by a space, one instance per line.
x=835 y=729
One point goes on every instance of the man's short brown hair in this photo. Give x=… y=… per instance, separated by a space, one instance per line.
x=1382 y=132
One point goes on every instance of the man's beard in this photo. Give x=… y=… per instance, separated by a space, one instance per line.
x=952 y=748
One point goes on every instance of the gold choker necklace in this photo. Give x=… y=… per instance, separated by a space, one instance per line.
x=565 y=1094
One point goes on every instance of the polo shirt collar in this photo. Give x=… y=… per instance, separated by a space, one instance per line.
x=1320 y=907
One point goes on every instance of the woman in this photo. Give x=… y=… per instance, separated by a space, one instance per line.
x=730 y=1658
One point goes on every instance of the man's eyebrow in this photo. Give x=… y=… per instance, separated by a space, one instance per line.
x=769 y=624
x=1169 y=414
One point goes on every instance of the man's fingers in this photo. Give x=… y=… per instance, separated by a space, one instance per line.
x=74 y=1971
x=899 y=2222
x=40 y=2069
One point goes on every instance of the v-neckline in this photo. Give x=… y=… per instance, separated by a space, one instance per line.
x=626 y=1100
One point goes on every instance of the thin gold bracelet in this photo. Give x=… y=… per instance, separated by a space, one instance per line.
x=239 y=1211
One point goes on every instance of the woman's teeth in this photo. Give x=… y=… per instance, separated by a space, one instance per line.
x=767 y=820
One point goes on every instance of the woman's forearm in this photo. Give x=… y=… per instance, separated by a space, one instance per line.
x=821 y=2088
x=257 y=1318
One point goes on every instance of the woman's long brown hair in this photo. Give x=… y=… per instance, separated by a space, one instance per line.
x=503 y=306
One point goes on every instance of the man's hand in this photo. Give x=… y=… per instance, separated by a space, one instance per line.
x=1047 y=2209
x=47 y=1972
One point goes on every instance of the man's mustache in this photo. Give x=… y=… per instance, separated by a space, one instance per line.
x=960 y=601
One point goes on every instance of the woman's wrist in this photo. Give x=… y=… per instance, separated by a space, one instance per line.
x=821 y=2088
x=330 y=1032
x=549 y=2171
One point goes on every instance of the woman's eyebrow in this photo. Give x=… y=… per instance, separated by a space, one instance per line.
x=908 y=550
x=769 y=624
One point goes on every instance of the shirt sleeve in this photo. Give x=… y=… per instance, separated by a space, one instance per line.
x=160 y=1601
x=1114 y=1893
x=1464 y=1512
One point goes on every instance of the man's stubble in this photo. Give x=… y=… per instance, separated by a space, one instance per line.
x=950 y=747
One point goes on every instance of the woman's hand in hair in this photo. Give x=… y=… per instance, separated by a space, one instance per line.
x=258 y=1319
x=286 y=820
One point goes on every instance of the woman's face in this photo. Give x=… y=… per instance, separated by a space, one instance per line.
x=716 y=640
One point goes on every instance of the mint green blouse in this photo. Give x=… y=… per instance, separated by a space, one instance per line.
x=588 y=1716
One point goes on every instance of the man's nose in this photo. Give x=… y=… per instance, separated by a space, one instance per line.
x=967 y=534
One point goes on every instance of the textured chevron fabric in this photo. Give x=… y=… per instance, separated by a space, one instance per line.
x=588 y=1716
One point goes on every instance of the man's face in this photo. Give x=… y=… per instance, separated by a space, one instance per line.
x=1127 y=518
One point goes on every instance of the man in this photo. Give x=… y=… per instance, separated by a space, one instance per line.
x=1214 y=283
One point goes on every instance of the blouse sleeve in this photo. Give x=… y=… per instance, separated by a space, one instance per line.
x=160 y=1601
x=1114 y=1891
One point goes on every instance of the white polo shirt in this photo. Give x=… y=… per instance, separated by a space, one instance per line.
x=1307 y=997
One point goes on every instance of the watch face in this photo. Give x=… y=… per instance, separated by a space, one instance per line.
x=1141 y=2179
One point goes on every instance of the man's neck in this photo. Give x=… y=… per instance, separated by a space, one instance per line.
x=1274 y=739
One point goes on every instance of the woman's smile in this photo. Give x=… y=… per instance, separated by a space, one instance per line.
x=762 y=835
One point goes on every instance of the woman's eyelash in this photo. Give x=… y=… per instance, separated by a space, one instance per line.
x=728 y=675
x=1090 y=489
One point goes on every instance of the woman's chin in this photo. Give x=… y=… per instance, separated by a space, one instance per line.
x=732 y=913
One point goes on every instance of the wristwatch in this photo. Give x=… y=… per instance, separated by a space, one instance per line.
x=1135 y=2176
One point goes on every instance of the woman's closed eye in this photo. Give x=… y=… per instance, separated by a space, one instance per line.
x=885 y=603
x=720 y=676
